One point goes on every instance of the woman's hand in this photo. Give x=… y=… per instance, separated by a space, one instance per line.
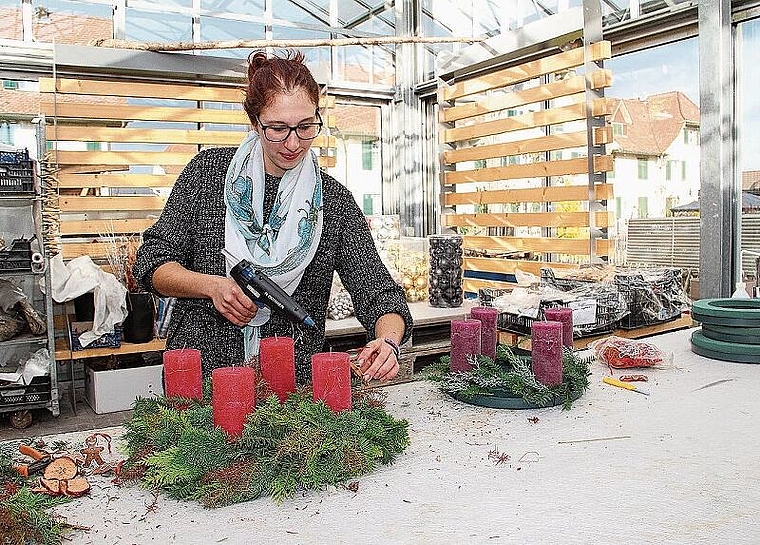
x=231 y=302
x=378 y=360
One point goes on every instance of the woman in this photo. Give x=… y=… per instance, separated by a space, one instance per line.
x=268 y=202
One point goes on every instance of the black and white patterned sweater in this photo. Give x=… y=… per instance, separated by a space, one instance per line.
x=190 y=231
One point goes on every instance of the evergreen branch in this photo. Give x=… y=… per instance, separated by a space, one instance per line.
x=24 y=519
x=297 y=445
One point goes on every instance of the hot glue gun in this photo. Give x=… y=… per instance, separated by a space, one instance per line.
x=260 y=288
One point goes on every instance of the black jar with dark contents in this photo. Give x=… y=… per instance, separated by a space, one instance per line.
x=445 y=282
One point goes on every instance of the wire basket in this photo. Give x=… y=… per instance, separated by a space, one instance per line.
x=18 y=257
x=107 y=340
x=609 y=309
x=487 y=295
x=549 y=278
x=38 y=390
x=653 y=297
x=16 y=172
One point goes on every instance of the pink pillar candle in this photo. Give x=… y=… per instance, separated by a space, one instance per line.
x=487 y=317
x=278 y=365
x=233 y=398
x=546 y=352
x=331 y=379
x=563 y=315
x=465 y=343
x=182 y=373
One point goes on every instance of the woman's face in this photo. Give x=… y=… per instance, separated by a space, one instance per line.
x=289 y=109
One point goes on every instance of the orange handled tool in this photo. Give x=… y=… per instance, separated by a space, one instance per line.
x=620 y=384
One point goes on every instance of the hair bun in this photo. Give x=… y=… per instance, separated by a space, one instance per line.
x=256 y=60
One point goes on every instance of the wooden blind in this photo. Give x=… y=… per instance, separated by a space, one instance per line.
x=515 y=176
x=119 y=145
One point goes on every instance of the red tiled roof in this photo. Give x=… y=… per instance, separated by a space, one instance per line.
x=751 y=180
x=19 y=104
x=654 y=123
x=64 y=28
x=357 y=120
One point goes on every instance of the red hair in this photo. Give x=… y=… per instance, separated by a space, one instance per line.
x=269 y=76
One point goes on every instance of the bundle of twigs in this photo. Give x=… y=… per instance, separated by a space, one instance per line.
x=121 y=251
x=51 y=211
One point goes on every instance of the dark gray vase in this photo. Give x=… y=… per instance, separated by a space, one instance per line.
x=140 y=322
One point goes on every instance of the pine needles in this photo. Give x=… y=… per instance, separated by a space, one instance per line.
x=511 y=374
x=284 y=448
x=24 y=517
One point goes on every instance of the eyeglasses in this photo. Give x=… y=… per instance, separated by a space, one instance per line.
x=280 y=133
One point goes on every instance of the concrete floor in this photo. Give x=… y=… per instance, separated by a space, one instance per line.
x=44 y=423
x=679 y=467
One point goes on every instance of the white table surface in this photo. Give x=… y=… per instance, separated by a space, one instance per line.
x=679 y=466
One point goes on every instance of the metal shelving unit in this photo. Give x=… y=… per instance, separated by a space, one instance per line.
x=22 y=218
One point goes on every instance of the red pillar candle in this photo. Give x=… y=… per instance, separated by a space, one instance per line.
x=487 y=317
x=182 y=373
x=331 y=379
x=564 y=316
x=233 y=397
x=546 y=352
x=278 y=365
x=465 y=343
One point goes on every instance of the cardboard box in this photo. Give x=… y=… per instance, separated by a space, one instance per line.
x=116 y=390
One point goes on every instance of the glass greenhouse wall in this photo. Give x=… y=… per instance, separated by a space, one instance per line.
x=386 y=104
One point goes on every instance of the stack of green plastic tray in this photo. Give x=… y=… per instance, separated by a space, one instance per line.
x=730 y=329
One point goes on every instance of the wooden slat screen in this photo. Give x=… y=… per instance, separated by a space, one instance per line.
x=515 y=177
x=119 y=146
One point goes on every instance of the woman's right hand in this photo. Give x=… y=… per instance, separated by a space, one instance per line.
x=231 y=302
x=173 y=280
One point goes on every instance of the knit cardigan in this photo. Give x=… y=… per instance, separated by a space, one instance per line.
x=190 y=231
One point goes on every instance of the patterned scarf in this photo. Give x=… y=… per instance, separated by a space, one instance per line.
x=282 y=245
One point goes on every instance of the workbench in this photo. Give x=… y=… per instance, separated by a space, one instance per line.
x=673 y=467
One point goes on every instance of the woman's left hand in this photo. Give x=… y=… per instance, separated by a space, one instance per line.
x=377 y=360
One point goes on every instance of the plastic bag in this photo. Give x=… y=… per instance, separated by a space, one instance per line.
x=11 y=324
x=37 y=365
x=620 y=353
x=81 y=275
x=14 y=302
x=10 y=294
x=34 y=319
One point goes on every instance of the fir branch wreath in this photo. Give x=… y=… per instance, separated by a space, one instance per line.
x=172 y=446
x=512 y=374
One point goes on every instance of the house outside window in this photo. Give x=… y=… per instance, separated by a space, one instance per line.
x=6 y=133
x=690 y=136
x=643 y=169
x=643 y=207
x=618 y=129
x=367 y=154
